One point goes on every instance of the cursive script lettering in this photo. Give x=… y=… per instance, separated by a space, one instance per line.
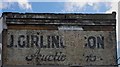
x=57 y=56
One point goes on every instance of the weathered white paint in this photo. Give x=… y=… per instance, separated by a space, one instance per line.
x=70 y=28
x=76 y=52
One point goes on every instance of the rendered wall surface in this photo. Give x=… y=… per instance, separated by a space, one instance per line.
x=35 y=39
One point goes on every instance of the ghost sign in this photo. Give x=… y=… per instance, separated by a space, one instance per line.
x=59 y=39
x=36 y=47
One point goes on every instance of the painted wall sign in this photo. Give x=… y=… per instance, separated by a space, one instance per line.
x=43 y=47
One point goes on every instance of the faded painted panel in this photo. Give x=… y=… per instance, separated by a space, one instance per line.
x=43 y=47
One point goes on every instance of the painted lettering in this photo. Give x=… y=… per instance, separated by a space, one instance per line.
x=34 y=40
x=100 y=42
x=57 y=56
x=92 y=42
x=11 y=41
x=55 y=41
x=95 y=42
x=91 y=58
x=41 y=42
x=21 y=41
x=28 y=41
